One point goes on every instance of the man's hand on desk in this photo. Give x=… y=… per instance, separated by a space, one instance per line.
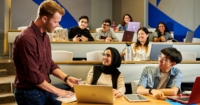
x=158 y=94
x=83 y=38
x=76 y=39
x=64 y=93
x=108 y=39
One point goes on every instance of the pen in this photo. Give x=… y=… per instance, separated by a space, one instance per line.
x=122 y=97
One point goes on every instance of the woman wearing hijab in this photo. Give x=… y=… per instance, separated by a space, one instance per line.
x=107 y=73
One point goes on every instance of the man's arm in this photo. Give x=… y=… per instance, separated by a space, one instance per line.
x=170 y=92
x=50 y=88
x=89 y=36
x=61 y=75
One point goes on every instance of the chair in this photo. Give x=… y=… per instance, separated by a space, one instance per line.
x=62 y=55
x=189 y=56
x=134 y=85
x=94 y=55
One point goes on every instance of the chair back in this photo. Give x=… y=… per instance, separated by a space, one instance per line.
x=189 y=56
x=61 y=55
x=94 y=56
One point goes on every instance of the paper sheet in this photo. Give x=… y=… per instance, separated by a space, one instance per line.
x=67 y=100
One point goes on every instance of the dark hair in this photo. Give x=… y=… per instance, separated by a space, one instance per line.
x=107 y=21
x=173 y=54
x=49 y=8
x=84 y=17
x=137 y=44
x=158 y=31
x=122 y=22
x=116 y=58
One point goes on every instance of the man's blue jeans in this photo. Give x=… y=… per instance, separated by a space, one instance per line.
x=35 y=97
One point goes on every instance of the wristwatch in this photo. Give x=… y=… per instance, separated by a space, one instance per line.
x=66 y=78
x=150 y=91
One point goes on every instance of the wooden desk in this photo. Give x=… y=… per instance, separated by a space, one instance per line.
x=131 y=70
x=119 y=101
x=80 y=49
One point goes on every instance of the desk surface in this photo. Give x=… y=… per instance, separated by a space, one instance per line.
x=123 y=62
x=119 y=101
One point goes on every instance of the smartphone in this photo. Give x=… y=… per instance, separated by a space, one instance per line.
x=79 y=35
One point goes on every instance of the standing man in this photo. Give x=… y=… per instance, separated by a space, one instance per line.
x=164 y=79
x=33 y=62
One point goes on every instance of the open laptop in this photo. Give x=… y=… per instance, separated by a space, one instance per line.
x=156 y=47
x=96 y=94
x=133 y=26
x=127 y=36
x=194 y=96
x=189 y=36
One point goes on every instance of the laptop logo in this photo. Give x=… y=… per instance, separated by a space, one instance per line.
x=133 y=26
x=93 y=95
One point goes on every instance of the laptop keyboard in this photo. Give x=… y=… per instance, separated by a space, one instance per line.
x=184 y=99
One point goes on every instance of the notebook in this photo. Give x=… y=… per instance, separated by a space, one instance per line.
x=133 y=26
x=135 y=97
x=194 y=97
x=157 y=47
x=96 y=94
x=127 y=36
x=189 y=36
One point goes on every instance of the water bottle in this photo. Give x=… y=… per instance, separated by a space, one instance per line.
x=128 y=56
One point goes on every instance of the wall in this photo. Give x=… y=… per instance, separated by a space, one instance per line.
x=2 y=2
x=136 y=8
x=96 y=10
x=179 y=15
x=100 y=10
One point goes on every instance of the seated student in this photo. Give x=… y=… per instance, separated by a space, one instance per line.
x=106 y=32
x=107 y=73
x=162 y=34
x=163 y=79
x=124 y=23
x=141 y=49
x=80 y=32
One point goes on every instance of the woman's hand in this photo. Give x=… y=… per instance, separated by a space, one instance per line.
x=117 y=93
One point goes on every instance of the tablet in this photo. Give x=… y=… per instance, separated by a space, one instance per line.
x=135 y=97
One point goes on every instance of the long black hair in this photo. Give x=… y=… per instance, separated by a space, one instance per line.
x=158 y=31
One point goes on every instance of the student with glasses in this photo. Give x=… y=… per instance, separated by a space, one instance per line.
x=164 y=79
x=106 y=33
x=80 y=32
x=107 y=73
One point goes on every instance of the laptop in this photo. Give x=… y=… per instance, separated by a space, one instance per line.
x=194 y=97
x=133 y=26
x=189 y=36
x=127 y=36
x=96 y=94
x=157 y=47
x=135 y=98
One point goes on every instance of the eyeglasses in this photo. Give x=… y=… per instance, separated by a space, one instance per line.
x=107 y=55
x=106 y=25
x=162 y=58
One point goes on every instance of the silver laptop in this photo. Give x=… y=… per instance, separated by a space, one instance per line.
x=189 y=36
x=135 y=97
x=95 y=94
x=133 y=26
x=157 y=47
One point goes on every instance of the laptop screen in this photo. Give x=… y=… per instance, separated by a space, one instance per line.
x=157 y=47
x=133 y=26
